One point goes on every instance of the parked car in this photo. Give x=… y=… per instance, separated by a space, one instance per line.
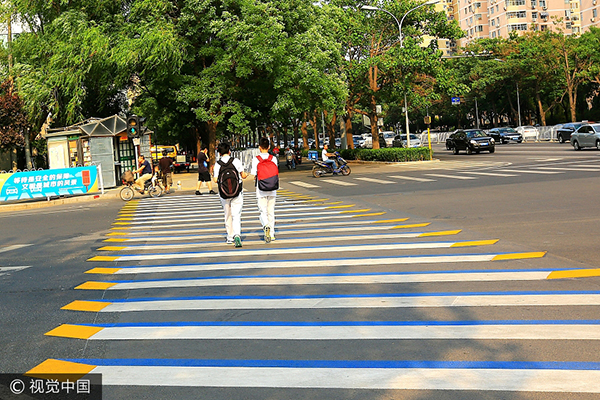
x=563 y=134
x=587 y=135
x=356 y=139
x=414 y=140
x=388 y=136
x=505 y=135
x=471 y=140
x=528 y=132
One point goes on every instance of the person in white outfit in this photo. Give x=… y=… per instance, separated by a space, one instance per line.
x=231 y=206
x=265 y=198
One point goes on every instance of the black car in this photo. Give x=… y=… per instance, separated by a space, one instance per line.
x=471 y=140
x=563 y=134
x=505 y=135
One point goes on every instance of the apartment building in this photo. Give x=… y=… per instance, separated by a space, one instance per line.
x=498 y=18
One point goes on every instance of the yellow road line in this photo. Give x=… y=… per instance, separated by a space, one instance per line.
x=92 y=285
x=384 y=221
x=101 y=270
x=368 y=215
x=124 y=219
x=122 y=223
x=116 y=234
x=441 y=233
x=316 y=200
x=411 y=226
x=74 y=331
x=332 y=203
x=515 y=256
x=82 y=305
x=355 y=211
x=103 y=258
x=475 y=243
x=580 y=273
x=112 y=248
x=345 y=206
x=60 y=370
x=115 y=240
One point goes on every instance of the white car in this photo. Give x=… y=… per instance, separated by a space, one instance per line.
x=414 y=140
x=528 y=132
x=389 y=137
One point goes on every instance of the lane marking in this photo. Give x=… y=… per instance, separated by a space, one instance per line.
x=390 y=300
x=322 y=279
x=373 y=180
x=304 y=184
x=9 y=270
x=411 y=178
x=581 y=273
x=531 y=171
x=336 y=182
x=14 y=247
x=295 y=250
x=582 y=169
x=328 y=262
x=352 y=330
x=487 y=174
x=518 y=376
x=317 y=239
x=451 y=176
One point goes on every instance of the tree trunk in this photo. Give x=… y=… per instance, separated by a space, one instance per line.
x=315 y=129
x=349 y=132
x=304 y=130
x=295 y=125
x=212 y=142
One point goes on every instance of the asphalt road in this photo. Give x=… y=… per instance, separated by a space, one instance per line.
x=244 y=318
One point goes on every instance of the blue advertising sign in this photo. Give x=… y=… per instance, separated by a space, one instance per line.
x=455 y=101
x=48 y=183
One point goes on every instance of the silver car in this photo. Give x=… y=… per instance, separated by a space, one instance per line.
x=586 y=136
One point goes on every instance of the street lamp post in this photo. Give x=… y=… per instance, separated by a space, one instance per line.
x=401 y=39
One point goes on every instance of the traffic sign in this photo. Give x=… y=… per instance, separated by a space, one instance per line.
x=455 y=101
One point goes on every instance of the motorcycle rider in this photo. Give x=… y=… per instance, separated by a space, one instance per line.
x=325 y=157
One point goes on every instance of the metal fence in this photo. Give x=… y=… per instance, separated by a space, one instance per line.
x=544 y=133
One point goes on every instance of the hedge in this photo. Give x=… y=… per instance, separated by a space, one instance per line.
x=394 y=154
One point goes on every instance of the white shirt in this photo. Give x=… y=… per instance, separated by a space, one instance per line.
x=236 y=163
x=253 y=171
x=324 y=155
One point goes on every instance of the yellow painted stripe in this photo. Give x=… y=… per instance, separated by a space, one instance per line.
x=126 y=215
x=112 y=248
x=316 y=200
x=332 y=203
x=124 y=219
x=368 y=215
x=121 y=227
x=385 y=221
x=101 y=270
x=355 y=211
x=60 y=370
x=440 y=233
x=113 y=240
x=74 y=331
x=116 y=234
x=345 y=206
x=411 y=226
x=82 y=305
x=91 y=285
x=475 y=243
x=518 y=256
x=581 y=273
x=122 y=223
x=103 y=258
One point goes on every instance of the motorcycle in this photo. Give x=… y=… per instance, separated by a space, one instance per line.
x=290 y=160
x=322 y=168
x=298 y=157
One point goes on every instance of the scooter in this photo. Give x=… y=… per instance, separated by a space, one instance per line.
x=290 y=160
x=322 y=168
x=298 y=157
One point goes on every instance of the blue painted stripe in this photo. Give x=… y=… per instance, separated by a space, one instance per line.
x=343 y=323
x=295 y=238
x=349 y=296
x=359 y=258
x=208 y=278
x=161 y=362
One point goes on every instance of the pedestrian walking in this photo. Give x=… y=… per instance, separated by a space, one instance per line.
x=266 y=173
x=228 y=175
x=165 y=164
x=203 y=172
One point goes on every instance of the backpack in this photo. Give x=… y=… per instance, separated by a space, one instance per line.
x=228 y=180
x=267 y=174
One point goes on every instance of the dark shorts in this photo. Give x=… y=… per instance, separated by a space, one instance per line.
x=204 y=176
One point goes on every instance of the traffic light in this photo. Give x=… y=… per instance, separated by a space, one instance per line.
x=133 y=126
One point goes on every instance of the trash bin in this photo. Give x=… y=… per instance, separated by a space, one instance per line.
x=313 y=155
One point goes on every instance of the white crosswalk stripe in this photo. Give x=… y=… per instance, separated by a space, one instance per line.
x=411 y=178
x=451 y=176
x=373 y=180
x=338 y=182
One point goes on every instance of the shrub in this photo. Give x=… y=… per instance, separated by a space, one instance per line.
x=394 y=154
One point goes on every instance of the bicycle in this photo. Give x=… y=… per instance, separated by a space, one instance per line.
x=127 y=192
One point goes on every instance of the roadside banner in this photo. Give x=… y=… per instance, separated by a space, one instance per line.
x=48 y=183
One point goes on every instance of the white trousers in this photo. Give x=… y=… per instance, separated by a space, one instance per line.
x=233 y=215
x=266 y=206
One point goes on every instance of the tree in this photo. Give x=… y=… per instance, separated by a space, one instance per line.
x=14 y=123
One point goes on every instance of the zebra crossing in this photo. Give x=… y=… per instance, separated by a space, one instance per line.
x=460 y=171
x=171 y=305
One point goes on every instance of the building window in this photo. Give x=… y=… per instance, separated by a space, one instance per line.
x=534 y=15
x=492 y=10
x=515 y=3
x=517 y=27
x=516 y=14
x=533 y=3
x=493 y=23
x=543 y=27
x=542 y=3
x=479 y=28
x=594 y=13
x=493 y=35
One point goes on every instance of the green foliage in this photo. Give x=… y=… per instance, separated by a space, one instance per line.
x=388 y=154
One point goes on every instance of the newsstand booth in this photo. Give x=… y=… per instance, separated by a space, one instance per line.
x=97 y=141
